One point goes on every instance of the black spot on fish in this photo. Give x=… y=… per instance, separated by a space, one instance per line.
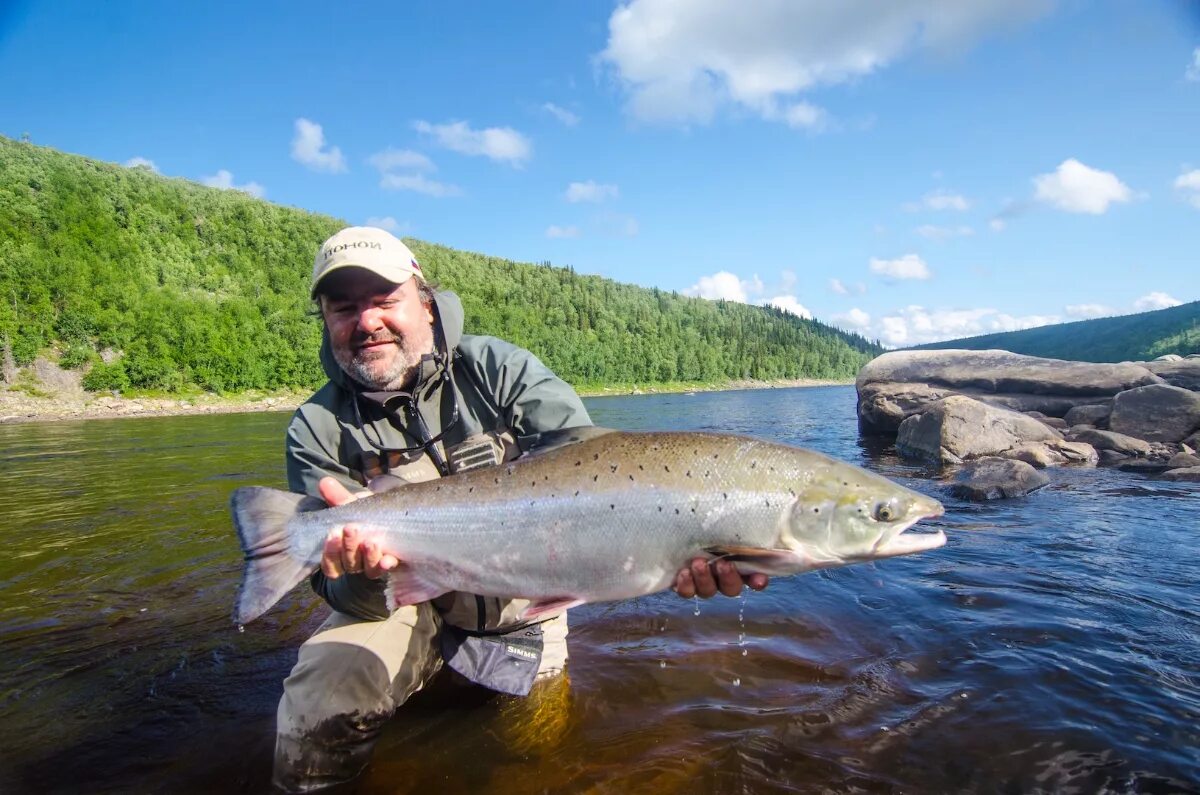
x=660 y=509
x=791 y=492
x=753 y=464
x=533 y=483
x=576 y=492
x=816 y=510
x=595 y=456
x=613 y=507
x=725 y=494
x=613 y=467
x=666 y=468
x=595 y=478
x=688 y=474
x=768 y=502
x=693 y=509
x=631 y=477
x=497 y=480
x=471 y=490
x=578 y=463
x=676 y=510
x=641 y=467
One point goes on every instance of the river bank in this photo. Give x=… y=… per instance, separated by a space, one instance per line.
x=42 y=404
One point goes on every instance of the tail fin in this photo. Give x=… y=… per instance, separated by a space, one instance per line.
x=261 y=516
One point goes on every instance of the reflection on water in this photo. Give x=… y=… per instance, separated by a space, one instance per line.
x=1053 y=645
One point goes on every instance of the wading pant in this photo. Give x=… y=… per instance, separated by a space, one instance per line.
x=350 y=677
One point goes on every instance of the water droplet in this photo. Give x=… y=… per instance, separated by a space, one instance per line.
x=662 y=663
x=744 y=652
x=737 y=682
x=241 y=628
x=696 y=599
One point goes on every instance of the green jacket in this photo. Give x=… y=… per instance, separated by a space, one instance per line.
x=503 y=394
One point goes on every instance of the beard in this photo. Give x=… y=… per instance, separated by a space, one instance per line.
x=364 y=364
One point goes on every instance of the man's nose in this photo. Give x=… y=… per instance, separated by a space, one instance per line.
x=370 y=320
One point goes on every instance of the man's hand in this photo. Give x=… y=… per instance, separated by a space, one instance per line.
x=345 y=552
x=699 y=578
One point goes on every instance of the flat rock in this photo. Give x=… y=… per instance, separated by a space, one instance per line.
x=1004 y=372
x=996 y=478
x=1183 y=460
x=958 y=428
x=882 y=407
x=1184 y=475
x=1111 y=440
x=1157 y=413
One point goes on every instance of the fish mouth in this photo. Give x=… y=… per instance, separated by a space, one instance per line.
x=896 y=542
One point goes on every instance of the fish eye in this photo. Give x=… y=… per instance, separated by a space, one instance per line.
x=884 y=512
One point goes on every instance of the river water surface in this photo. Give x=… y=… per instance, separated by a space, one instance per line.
x=1053 y=645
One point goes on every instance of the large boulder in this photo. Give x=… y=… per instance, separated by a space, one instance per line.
x=996 y=478
x=882 y=407
x=958 y=428
x=1185 y=475
x=1184 y=373
x=1157 y=413
x=1088 y=414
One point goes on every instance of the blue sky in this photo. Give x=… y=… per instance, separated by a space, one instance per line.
x=912 y=169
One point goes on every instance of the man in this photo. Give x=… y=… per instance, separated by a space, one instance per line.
x=411 y=397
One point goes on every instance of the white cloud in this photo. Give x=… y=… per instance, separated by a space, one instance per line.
x=684 y=61
x=387 y=222
x=502 y=144
x=933 y=232
x=590 y=192
x=392 y=159
x=224 y=179
x=997 y=224
x=1155 y=300
x=553 y=231
x=418 y=183
x=855 y=319
x=910 y=266
x=141 y=162
x=308 y=148
x=1077 y=188
x=616 y=225
x=788 y=303
x=721 y=285
x=1084 y=311
x=562 y=114
x=837 y=286
x=1193 y=71
x=1188 y=185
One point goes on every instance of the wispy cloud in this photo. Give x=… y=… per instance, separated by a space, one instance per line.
x=141 y=162
x=1077 y=188
x=855 y=320
x=565 y=116
x=910 y=266
x=309 y=149
x=1155 y=300
x=555 y=231
x=387 y=222
x=940 y=200
x=395 y=159
x=1193 y=71
x=1085 y=311
x=590 y=192
x=790 y=304
x=933 y=232
x=224 y=179
x=502 y=144
x=419 y=183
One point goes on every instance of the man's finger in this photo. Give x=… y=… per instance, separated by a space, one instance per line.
x=702 y=577
x=331 y=556
x=757 y=581
x=334 y=493
x=351 y=561
x=729 y=579
x=372 y=554
x=684 y=586
x=388 y=562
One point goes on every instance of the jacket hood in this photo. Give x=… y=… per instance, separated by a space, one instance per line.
x=447 y=318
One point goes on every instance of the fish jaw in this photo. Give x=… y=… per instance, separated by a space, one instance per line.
x=897 y=542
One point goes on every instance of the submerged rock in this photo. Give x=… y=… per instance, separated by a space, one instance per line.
x=996 y=478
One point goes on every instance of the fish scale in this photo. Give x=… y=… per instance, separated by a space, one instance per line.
x=612 y=516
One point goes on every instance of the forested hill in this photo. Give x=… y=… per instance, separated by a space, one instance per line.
x=151 y=282
x=1131 y=338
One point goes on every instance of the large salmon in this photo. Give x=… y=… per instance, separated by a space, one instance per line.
x=613 y=516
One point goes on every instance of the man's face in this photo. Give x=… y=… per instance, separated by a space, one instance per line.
x=378 y=331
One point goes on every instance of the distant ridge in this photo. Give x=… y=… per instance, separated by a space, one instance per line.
x=157 y=283
x=1137 y=337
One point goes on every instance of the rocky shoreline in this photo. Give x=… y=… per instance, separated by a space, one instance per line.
x=994 y=419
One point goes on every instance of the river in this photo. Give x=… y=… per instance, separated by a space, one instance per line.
x=1053 y=645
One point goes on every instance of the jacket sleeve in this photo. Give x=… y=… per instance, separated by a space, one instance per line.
x=530 y=396
x=310 y=457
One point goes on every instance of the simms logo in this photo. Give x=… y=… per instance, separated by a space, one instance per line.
x=517 y=651
x=331 y=250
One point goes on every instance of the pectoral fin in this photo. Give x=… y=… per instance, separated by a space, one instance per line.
x=405 y=587
x=750 y=560
x=544 y=607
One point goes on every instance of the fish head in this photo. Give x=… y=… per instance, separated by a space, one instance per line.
x=849 y=515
